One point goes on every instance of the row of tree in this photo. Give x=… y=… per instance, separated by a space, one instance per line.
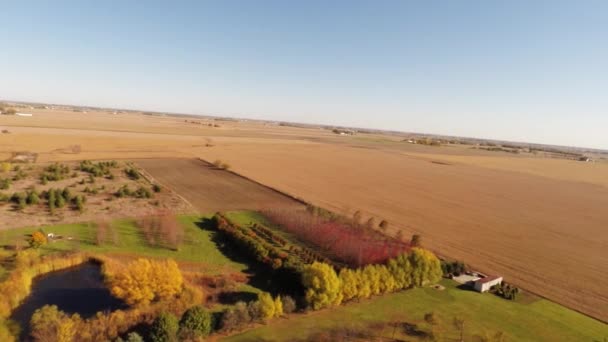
x=324 y=287
x=347 y=240
x=162 y=229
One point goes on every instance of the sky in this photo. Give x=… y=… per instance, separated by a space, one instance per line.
x=533 y=71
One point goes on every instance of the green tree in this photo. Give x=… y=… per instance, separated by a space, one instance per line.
x=322 y=285
x=164 y=328
x=196 y=322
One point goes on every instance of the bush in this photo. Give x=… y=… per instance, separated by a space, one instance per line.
x=132 y=173
x=289 y=305
x=32 y=197
x=196 y=322
x=156 y=188
x=164 y=328
x=37 y=239
x=5 y=184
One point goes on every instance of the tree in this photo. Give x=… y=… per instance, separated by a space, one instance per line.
x=164 y=328
x=349 y=282
x=50 y=324
x=37 y=239
x=278 y=307
x=416 y=241
x=357 y=216
x=143 y=281
x=322 y=285
x=267 y=307
x=371 y=223
x=399 y=235
x=426 y=267
x=134 y=337
x=196 y=322
x=383 y=225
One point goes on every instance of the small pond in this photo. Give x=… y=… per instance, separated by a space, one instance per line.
x=79 y=289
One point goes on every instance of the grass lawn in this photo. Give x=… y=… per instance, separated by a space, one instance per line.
x=540 y=320
x=197 y=248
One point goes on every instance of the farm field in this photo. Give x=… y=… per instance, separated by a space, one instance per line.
x=530 y=219
x=528 y=228
x=210 y=189
x=484 y=315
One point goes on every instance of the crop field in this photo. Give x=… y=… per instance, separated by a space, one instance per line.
x=538 y=222
x=210 y=189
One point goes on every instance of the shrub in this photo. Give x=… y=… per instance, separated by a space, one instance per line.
x=32 y=197
x=37 y=239
x=289 y=305
x=5 y=167
x=164 y=328
x=196 y=322
x=156 y=188
x=5 y=184
x=132 y=173
x=50 y=324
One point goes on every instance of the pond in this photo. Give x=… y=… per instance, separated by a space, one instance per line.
x=79 y=289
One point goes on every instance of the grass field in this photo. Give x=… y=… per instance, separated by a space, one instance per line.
x=540 y=320
x=198 y=249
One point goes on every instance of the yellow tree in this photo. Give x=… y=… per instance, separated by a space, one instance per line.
x=278 y=307
x=322 y=285
x=267 y=307
x=426 y=267
x=348 y=279
x=143 y=281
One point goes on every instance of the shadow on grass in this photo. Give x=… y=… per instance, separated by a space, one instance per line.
x=260 y=275
x=229 y=298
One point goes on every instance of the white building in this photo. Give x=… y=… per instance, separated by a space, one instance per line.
x=484 y=284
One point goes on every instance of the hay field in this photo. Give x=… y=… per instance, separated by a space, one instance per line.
x=541 y=223
x=210 y=189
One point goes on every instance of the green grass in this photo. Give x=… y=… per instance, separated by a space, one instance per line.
x=197 y=247
x=541 y=320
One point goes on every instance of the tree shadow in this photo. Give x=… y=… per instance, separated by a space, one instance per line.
x=466 y=287
x=232 y=297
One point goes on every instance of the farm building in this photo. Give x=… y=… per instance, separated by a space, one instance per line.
x=486 y=283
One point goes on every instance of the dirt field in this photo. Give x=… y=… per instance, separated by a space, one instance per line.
x=210 y=189
x=541 y=223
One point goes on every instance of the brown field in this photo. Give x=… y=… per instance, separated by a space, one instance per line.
x=539 y=222
x=209 y=189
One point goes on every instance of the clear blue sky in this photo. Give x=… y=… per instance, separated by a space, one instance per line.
x=519 y=70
